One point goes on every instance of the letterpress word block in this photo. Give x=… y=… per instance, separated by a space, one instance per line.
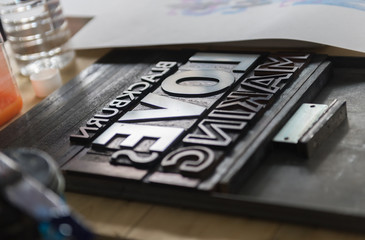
x=180 y=124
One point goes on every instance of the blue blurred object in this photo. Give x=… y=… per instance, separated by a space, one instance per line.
x=56 y=221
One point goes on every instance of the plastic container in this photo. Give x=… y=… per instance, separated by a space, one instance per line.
x=10 y=99
x=38 y=34
x=45 y=82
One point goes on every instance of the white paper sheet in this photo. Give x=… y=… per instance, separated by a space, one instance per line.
x=130 y=23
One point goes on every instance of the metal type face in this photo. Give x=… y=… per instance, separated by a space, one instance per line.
x=121 y=102
x=244 y=60
x=267 y=84
x=107 y=113
x=169 y=109
x=190 y=160
x=215 y=132
x=283 y=64
x=85 y=133
x=232 y=115
x=160 y=70
x=97 y=122
x=139 y=160
x=164 y=136
x=174 y=84
x=251 y=101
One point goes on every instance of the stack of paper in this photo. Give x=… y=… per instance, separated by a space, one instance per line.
x=131 y=23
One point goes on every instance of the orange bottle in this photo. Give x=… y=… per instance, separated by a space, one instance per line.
x=10 y=99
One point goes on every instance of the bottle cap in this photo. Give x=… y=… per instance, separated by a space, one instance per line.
x=46 y=81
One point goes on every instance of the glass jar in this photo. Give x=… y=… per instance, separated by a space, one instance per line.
x=10 y=100
x=38 y=34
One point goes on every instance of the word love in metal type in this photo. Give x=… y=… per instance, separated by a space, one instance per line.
x=178 y=124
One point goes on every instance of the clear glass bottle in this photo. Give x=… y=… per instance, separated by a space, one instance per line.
x=10 y=100
x=38 y=34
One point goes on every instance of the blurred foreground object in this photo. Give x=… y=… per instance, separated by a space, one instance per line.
x=29 y=194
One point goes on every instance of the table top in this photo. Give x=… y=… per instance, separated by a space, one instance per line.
x=120 y=219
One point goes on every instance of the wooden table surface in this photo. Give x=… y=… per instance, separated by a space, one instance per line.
x=119 y=219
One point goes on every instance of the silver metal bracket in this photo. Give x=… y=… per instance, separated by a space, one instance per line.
x=311 y=125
